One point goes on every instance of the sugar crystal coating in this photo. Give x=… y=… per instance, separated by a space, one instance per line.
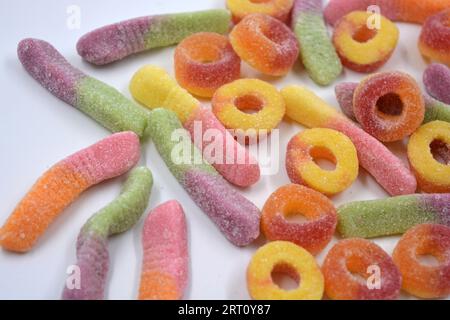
x=362 y=49
x=117 y=41
x=165 y=264
x=389 y=105
x=317 y=52
x=92 y=245
x=434 y=41
x=204 y=62
x=279 y=9
x=290 y=200
x=437 y=81
x=288 y=258
x=321 y=143
x=63 y=183
x=358 y=256
x=234 y=215
x=154 y=88
x=101 y=102
x=265 y=43
x=421 y=279
x=344 y=95
x=416 y=11
x=392 y=216
x=303 y=106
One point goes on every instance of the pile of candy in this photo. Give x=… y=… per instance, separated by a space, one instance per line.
x=383 y=107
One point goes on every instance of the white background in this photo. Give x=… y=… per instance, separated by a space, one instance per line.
x=37 y=130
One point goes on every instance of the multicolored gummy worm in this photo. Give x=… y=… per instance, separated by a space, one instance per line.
x=434 y=109
x=92 y=244
x=154 y=88
x=303 y=106
x=416 y=11
x=165 y=264
x=234 y=215
x=392 y=216
x=436 y=79
x=63 y=183
x=317 y=51
x=117 y=41
x=98 y=100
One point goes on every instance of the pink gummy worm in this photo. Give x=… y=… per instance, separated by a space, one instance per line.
x=236 y=165
x=166 y=258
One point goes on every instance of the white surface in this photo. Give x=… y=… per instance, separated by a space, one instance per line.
x=37 y=130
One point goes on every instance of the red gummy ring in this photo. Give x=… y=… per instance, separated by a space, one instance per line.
x=204 y=62
x=363 y=258
x=434 y=42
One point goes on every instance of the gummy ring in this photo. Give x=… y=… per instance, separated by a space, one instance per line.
x=284 y=257
x=434 y=41
x=231 y=100
x=432 y=175
x=389 y=105
x=362 y=49
x=420 y=279
x=292 y=200
x=322 y=143
x=367 y=260
x=204 y=62
x=265 y=43
x=279 y=9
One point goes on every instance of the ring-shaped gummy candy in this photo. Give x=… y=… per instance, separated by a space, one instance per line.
x=322 y=143
x=353 y=260
x=266 y=44
x=294 y=200
x=389 y=105
x=204 y=62
x=434 y=41
x=288 y=258
x=432 y=175
x=363 y=49
x=422 y=279
x=232 y=100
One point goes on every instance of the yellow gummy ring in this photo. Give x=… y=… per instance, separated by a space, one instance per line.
x=327 y=144
x=285 y=257
x=279 y=9
x=231 y=100
x=432 y=175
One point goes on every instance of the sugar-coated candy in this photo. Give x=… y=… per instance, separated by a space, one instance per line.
x=317 y=52
x=360 y=257
x=362 y=49
x=290 y=259
x=389 y=105
x=232 y=100
x=392 y=216
x=165 y=264
x=265 y=43
x=204 y=62
x=434 y=109
x=416 y=11
x=291 y=200
x=63 y=183
x=303 y=106
x=421 y=279
x=154 y=88
x=98 y=100
x=431 y=174
x=279 y=9
x=321 y=143
x=117 y=41
x=92 y=244
x=437 y=81
x=234 y=215
x=434 y=41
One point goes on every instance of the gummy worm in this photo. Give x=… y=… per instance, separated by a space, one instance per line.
x=92 y=244
x=63 y=183
x=98 y=100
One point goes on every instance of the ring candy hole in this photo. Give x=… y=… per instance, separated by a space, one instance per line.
x=285 y=277
x=440 y=151
x=357 y=268
x=249 y=104
x=205 y=53
x=389 y=106
x=364 y=34
x=324 y=158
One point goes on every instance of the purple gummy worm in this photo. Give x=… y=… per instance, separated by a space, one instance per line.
x=437 y=82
